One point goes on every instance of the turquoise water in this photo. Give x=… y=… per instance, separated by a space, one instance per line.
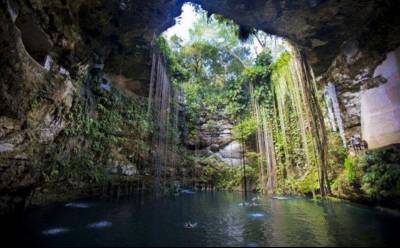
x=218 y=219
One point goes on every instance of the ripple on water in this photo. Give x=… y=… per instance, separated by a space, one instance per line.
x=76 y=205
x=55 y=231
x=101 y=224
x=257 y=216
x=246 y=204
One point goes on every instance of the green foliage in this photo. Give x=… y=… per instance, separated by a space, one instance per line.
x=245 y=129
x=175 y=68
x=237 y=98
x=264 y=59
x=216 y=73
x=374 y=175
x=92 y=136
x=381 y=177
x=232 y=178
x=336 y=151
x=219 y=69
x=280 y=66
x=296 y=126
x=350 y=166
x=300 y=186
x=259 y=76
x=208 y=66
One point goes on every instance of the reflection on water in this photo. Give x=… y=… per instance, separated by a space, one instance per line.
x=257 y=216
x=77 y=205
x=219 y=220
x=55 y=231
x=101 y=224
x=281 y=198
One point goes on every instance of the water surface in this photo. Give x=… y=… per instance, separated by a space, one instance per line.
x=221 y=219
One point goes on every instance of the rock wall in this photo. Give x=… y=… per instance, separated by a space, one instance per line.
x=47 y=73
x=121 y=31
x=367 y=87
x=33 y=107
x=380 y=106
x=213 y=138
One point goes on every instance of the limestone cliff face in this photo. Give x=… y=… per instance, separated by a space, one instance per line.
x=380 y=106
x=48 y=47
x=359 y=75
x=48 y=68
x=33 y=101
x=213 y=138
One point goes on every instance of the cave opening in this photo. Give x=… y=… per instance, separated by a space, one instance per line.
x=210 y=61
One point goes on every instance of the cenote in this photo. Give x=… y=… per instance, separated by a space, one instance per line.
x=221 y=221
x=199 y=123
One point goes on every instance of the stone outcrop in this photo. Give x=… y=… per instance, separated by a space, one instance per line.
x=214 y=139
x=232 y=154
x=124 y=168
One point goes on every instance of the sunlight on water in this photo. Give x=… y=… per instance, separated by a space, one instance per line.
x=76 y=205
x=101 y=224
x=257 y=216
x=55 y=231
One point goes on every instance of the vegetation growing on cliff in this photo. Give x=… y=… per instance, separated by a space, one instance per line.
x=371 y=177
x=104 y=130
